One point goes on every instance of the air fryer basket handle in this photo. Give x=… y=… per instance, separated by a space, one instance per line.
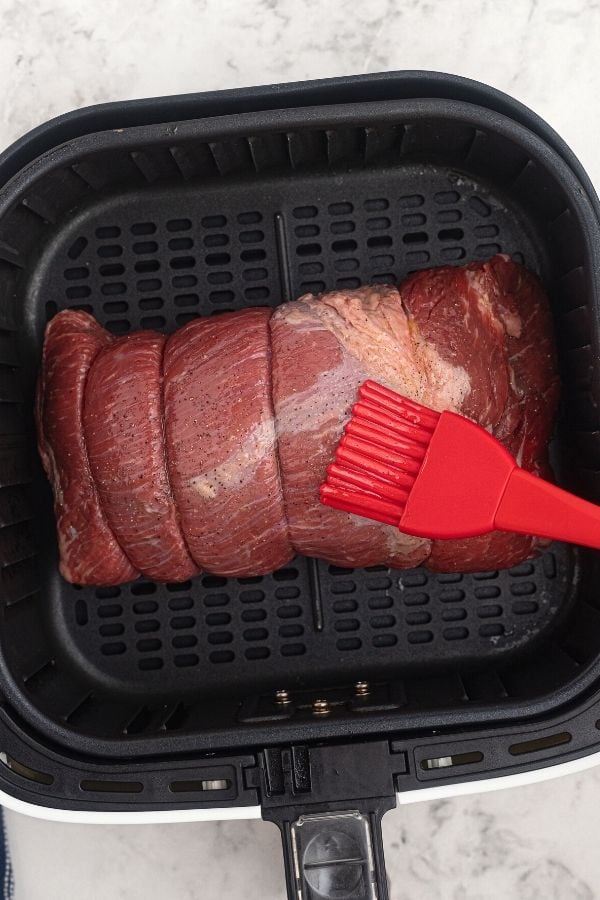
x=335 y=855
x=328 y=800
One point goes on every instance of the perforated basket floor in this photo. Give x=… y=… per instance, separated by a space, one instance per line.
x=218 y=634
x=149 y=236
x=157 y=259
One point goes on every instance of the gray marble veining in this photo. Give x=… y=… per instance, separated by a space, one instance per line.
x=533 y=843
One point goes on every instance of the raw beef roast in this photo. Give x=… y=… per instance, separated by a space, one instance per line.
x=323 y=349
x=123 y=427
x=220 y=438
x=89 y=553
x=494 y=321
x=207 y=451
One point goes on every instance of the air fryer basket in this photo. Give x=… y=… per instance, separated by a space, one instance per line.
x=150 y=226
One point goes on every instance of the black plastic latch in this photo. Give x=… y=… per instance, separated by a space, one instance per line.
x=287 y=771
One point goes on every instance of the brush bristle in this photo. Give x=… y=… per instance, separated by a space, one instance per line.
x=397 y=405
x=380 y=455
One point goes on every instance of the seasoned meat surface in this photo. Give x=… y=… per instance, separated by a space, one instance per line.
x=89 y=552
x=123 y=426
x=506 y=344
x=323 y=349
x=220 y=437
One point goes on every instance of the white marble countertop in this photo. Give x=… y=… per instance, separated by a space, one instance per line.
x=532 y=843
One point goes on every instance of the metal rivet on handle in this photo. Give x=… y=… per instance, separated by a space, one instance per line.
x=282 y=697
x=361 y=688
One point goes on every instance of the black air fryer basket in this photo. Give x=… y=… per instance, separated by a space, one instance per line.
x=316 y=693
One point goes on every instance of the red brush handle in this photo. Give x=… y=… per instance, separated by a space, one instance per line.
x=530 y=505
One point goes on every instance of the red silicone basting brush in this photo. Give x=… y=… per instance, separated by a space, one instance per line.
x=438 y=475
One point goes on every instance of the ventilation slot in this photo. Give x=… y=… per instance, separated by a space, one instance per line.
x=111 y=787
x=416 y=237
x=457 y=759
x=139 y=722
x=176 y=718
x=77 y=248
x=543 y=743
x=25 y=771
x=192 y=787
